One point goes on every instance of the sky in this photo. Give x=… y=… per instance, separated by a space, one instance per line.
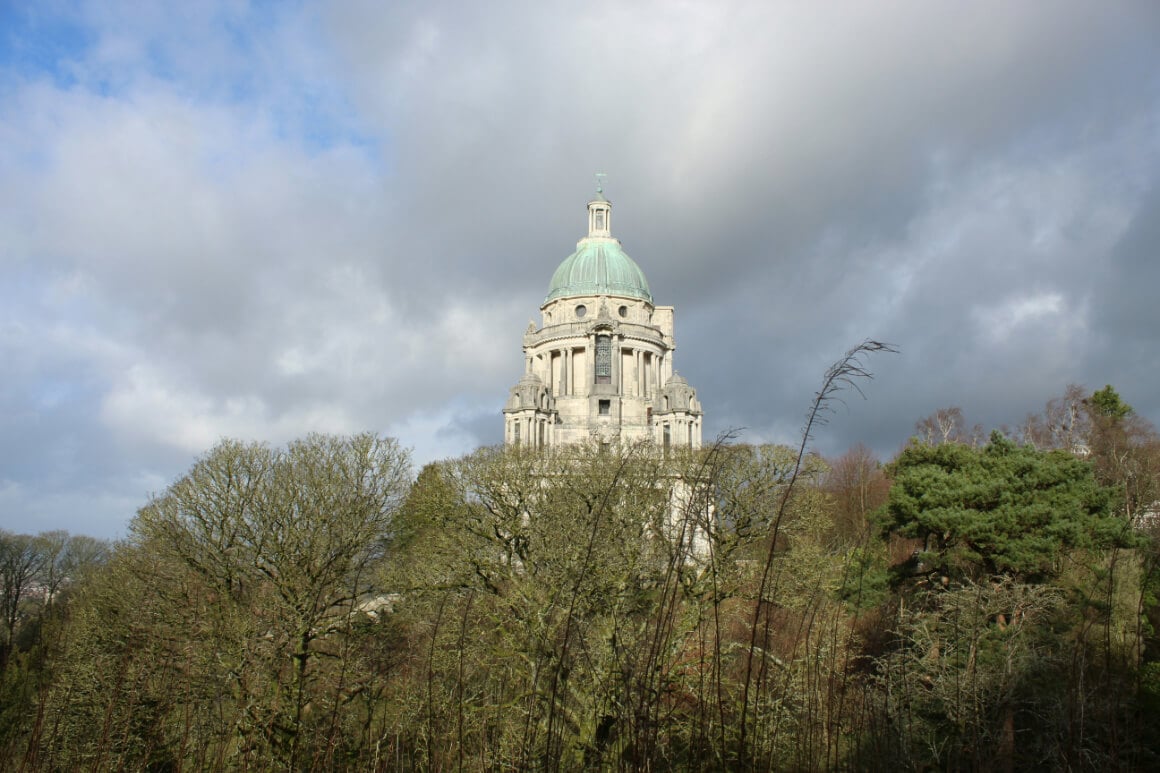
x=257 y=220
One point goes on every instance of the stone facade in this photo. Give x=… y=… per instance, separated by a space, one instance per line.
x=599 y=368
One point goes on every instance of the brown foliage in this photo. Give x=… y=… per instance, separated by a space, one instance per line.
x=859 y=486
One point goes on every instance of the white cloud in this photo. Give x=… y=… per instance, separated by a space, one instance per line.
x=1001 y=322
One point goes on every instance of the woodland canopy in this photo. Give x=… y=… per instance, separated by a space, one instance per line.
x=972 y=604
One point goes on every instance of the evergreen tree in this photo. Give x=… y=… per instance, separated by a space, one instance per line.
x=1001 y=510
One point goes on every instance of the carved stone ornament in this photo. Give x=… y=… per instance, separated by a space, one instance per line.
x=605 y=433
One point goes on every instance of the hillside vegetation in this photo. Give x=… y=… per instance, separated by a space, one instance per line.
x=983 y=601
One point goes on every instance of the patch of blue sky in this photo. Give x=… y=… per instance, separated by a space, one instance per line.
x=303 y=107
x=37 y=41
x=323 y=122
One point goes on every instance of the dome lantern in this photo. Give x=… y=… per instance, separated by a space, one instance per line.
x=599 y=216
x=599 y=266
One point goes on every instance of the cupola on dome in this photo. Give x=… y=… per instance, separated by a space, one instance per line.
x=599 y=266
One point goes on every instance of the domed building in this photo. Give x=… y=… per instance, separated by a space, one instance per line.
x=599 y=368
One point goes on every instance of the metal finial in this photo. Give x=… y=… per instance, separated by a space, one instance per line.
x=600 y=182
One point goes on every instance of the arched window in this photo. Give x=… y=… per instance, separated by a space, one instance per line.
x=603 y=359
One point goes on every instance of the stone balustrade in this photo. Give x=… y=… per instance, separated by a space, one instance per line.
x=583 y=329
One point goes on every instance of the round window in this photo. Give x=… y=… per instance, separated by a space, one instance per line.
x=622 y=311
x=581 y=310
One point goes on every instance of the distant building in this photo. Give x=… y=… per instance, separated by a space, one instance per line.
x=600 y=366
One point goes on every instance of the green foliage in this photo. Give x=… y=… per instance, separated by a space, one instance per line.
x=38 y=575
x=1150 y=688
x=1000 y=510
x=242 y=587
x=308 y=608
x=22 y=563
x=746 y=484
x=538 y=567
x=977 y=669
x=865 y=579
x=1107 y=402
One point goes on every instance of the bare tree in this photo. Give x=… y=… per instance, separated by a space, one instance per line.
x=859 y=486
x=943 y=426
x=21 y=560
x=284 y=542
x=1065 y=423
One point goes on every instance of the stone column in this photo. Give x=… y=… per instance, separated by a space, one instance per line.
x=590 y=364
x=614 y=353
x=636 y=372
x=571 y=370
x=566 y=371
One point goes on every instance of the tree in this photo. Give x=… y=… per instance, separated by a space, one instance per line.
x=964 y=693
x=1002 y=509
x=538 y=570
x=242 y=583
x=859 y=486
x=66 y=559
x=1064 y=424
x=992 y=649
x=947 y=425
x=1106 y=402
x=1124 y=448
x=21 y=561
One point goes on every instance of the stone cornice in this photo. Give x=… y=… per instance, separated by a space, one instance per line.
x=550 y=412
x=633 y=330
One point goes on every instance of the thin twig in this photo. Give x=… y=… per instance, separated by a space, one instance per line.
x=843 y=374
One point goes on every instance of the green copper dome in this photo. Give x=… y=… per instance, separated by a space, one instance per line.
x=599 y=267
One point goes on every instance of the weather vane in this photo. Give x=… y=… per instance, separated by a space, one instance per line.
x=600 y=182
